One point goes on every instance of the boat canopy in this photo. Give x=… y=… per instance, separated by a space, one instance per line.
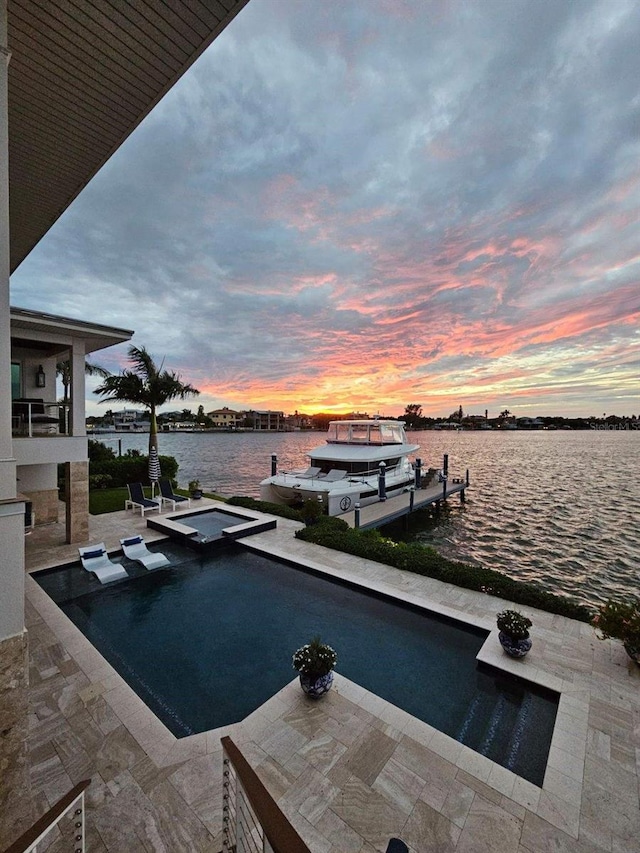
x=366 y=432
x=366 y=453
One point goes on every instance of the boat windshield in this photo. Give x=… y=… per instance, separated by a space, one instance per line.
x=365 y=433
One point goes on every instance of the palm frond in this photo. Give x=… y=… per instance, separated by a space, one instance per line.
x=144 y=384
x=143 y=363
x=95 y=370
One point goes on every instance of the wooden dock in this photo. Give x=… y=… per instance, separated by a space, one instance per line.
x=383 y=512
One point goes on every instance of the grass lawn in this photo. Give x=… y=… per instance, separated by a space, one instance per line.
x=107 y=500
x=112 y=500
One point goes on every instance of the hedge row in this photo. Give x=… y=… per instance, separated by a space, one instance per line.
x=371 y=545
x=111 y=473
x=266 y=506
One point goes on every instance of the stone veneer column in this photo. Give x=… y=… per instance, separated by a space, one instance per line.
x=45 y=505
x=77 y=501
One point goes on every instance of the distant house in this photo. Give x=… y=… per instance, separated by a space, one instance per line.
x=475 y=421
x=225 y=418
x=265 y=420
x=297 y=421
x=530 y=423
x=131 y=420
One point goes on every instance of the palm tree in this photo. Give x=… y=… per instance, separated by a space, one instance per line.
x=63 y=369
x=146 y=384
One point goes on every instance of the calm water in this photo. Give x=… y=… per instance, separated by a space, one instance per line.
x=557 y=507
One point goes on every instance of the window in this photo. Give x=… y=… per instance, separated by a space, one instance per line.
x=16 y=380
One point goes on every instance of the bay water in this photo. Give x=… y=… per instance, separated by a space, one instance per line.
x=558 y=507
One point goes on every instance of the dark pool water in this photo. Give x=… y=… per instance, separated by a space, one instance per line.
x=207 y=641
x=211 y=522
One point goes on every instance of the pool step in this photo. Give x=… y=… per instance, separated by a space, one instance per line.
x=489 y=726
x=517 y=742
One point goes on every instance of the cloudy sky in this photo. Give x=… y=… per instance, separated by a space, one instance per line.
x=360 y=205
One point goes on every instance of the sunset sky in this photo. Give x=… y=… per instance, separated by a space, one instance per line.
x=365 y=204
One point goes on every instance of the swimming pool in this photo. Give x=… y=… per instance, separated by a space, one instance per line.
x=211 y=522
x=210 y=527
x=207 y=641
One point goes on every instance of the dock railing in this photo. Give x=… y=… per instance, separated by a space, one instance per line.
x=252 y=820
x=71 y=802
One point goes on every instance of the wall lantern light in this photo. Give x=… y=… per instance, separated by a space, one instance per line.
x=41 y=378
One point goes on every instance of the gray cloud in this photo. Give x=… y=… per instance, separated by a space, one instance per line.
x=336 y=187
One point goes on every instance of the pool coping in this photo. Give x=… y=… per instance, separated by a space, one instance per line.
x=252 y=523
x=562 y=784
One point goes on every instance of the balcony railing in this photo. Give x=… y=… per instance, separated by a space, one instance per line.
x=252 y=820
x=73 y=803
x=35 y=417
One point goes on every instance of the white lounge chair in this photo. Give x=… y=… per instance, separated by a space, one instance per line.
x=334 y=474
x=309 y=474
x=135 y=548
x=94 y=559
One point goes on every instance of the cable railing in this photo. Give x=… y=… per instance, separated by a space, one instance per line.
x=350 y=476
x=252 y=820
x=34 y=417
x=71 y=802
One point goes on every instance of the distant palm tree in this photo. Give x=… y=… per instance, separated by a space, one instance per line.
x=146 y=384
x=63 y=369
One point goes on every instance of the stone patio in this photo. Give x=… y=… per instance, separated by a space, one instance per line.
x=351 y=770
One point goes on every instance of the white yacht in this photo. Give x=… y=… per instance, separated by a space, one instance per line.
x=346 y=469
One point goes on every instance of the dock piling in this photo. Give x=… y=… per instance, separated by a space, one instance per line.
x=400 y=507
x=274 y=464
x=382 y=485
x=418 y=471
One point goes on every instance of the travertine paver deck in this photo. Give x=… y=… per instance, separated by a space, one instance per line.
x=350 y=770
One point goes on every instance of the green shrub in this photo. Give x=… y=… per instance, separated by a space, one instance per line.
x=371 y=545
x=99 y=452
x=280 y=510
x=130 y=468
x=620 y=620
x=100 y=481
x=311 y=510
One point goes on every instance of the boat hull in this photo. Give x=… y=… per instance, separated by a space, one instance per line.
x=338 y=498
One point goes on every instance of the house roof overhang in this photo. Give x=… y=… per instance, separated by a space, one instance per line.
x=51 y=334
x=82 y=76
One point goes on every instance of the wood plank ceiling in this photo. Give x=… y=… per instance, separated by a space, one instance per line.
x=83 y=74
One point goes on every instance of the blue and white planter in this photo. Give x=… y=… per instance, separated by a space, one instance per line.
x=514 y=648
x=316 y=686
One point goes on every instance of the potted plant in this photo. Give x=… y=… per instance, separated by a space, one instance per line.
x=513 y=634
x=315 y=662
x=620 y=620
x=194 y=489
x=311 y=511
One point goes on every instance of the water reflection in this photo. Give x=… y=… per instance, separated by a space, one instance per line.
x=557 y=507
